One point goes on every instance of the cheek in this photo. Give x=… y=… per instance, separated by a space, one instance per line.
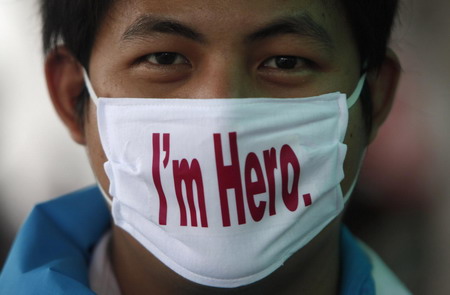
x=355 y=139
x=94 y=148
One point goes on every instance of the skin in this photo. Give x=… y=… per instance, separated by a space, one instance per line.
x=223 y=64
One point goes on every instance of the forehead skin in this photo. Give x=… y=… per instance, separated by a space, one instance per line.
x=225 y=25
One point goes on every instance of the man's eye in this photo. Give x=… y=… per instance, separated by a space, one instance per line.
x=166 y=58
x=285 y=62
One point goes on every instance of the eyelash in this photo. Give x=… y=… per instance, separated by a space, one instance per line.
x=276 y=62
x=178 y=57
x=272 y=63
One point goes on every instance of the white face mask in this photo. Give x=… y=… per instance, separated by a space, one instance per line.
x=224 y=191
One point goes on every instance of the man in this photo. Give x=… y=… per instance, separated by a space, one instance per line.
x=237 y=186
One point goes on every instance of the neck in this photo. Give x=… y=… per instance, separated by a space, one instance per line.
x=312 y=270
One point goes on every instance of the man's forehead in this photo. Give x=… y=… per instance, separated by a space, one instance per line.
x=214 y=10
x=225 y=15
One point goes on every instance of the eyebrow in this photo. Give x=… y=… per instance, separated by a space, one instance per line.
x=302 y=25
x=147 y=25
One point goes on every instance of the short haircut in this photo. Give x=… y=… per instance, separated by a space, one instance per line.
x=75 y=23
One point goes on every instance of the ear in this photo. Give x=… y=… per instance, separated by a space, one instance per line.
x=383 y=85
x=65 y=83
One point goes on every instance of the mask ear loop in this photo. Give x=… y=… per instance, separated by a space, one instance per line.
x=355 y=180
x=89 y=87
x=105 y=196
x=350 y=102
x=94 y=99
x=357 y=93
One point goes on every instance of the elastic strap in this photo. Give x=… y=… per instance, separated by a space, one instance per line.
x=89 y=87
x=105 y=196
x=355 y=180
x=357 y=93
x=94 y=100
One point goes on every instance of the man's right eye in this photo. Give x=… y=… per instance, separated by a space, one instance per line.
x=286 y=63
x=166 y=58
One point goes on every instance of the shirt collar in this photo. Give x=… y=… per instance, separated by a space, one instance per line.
x=356 y=269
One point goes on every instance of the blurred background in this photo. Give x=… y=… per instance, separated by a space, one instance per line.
x=401 y=205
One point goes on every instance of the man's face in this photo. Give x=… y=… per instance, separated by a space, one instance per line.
x=220 y=49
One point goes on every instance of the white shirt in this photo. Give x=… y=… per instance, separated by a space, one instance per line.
x=101 y=276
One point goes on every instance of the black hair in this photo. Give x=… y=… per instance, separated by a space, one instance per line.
x=372 y=22
x=75 y=23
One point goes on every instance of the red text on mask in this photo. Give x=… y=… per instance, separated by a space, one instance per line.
x=229 y=178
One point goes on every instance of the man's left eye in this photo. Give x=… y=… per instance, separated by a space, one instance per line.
x=166 y=58
x=285 y=62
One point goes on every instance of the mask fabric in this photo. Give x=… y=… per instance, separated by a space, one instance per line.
x=223 y=191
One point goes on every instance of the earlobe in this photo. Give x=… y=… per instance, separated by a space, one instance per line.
x=65 y=83
x=383 y=85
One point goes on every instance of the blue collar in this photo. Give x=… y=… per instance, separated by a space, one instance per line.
x=356 y=269
x=52 y=250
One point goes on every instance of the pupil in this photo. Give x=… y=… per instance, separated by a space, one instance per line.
x=286 y=62
x=165 y=58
